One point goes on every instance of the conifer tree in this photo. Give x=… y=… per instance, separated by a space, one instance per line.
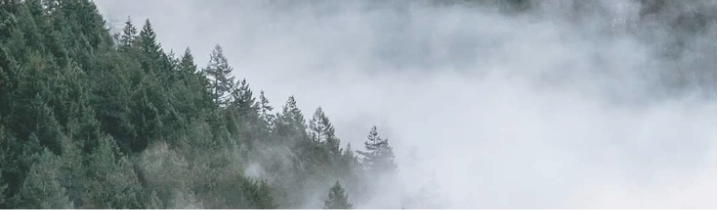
x=112 y=182
x=41 y=189
x=291 y=121
x=187 y=64
x=148 y=41
x=243 y=100
x=265 y=109
x=379 y=155
x=218 y=72
x=322 y=131
x=128 y=34
x=337 y=198
x=4 y=166
x=3 y=188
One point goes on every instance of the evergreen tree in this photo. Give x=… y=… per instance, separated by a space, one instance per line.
x=337 y=198
x=264 y=110
x=379 y=156
x=290 y=124
x=148 y=41
x=86 y=109
x=128 y=34
x=243 y=100
x=323 y=131
x=41 y=189
x=112 y=182
x=4 y=166
x=187 y=62
x=3 y=188
x=218 y=73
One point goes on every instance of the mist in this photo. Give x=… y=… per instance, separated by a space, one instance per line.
x=486 y=107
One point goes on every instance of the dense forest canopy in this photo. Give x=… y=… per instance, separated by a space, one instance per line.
x=98 y=120
x=93 y=119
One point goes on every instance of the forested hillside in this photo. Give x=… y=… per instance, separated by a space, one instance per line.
x=94 y=119
x=91 y=119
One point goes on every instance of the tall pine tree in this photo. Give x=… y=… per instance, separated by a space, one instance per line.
x=218 y=72
x=337 y=198
x=379 y=156
x=322 y=131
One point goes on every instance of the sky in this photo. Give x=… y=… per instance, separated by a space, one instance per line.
x=491 y=110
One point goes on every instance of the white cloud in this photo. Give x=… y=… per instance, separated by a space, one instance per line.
x=506 y=111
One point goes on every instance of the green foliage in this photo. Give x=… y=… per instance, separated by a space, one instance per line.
x=337 y=198
x=112 y=181
x=3 y=191
x=379 y=156
x=218 y=73
x=91 y=120
x=41 y=188
x=322 y=131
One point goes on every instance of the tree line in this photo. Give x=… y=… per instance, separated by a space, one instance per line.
x=90 y=119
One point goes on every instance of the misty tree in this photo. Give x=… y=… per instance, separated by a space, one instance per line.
x=80 y=110
x=242 y=99
x=265 y=109
x=337 y=199
x=112 y=181
x=218 y=73
x=379 y=155
x=186 y=63
x=290 y=123
x=322 y=131
x=41 y=189
x=128 y=34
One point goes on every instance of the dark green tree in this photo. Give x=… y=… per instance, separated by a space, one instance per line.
x=112 y=181
x=337 y=198
x=243 y=100
x=41 y=189
x=187 y=64
x=290 y=125
x=264 y=110
x=379 y=155
x=218 y=72
x=129 y=32
x=322 y=131
x=3 y=191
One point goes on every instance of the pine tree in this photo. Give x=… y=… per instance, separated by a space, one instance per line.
x=218 y=73
x=41 y=189
x=265 y=109
x=148 y=41
x=187 y=62
x=322 y=131
x=337 y=198
x=259 y=195
x=379 y=156
x=3 y=188
x=128 y=34
x=112 y=182
x=290 y=123
x=243 y=100
x=4 y=156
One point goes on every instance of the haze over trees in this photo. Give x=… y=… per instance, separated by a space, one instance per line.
x=95 y=120
x=90 y=119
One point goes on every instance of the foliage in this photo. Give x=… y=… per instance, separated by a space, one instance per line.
x=337 y=198
x=94 y=120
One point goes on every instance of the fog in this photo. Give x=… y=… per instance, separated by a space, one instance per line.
x=488 y=108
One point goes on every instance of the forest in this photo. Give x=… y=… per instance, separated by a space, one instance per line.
x=91 y=119
x=98 y=120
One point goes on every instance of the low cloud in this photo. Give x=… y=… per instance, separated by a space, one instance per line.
x=544 y=108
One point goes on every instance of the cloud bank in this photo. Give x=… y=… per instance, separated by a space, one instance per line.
x=563 y=106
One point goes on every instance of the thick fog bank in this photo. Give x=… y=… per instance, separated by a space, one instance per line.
x=607 y=104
